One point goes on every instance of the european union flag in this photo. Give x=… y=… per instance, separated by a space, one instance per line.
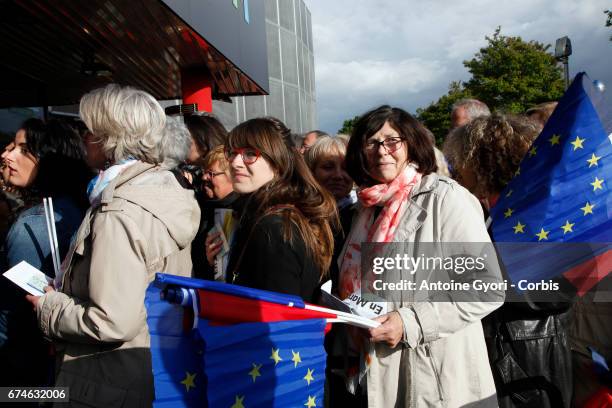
x=558 y=208
x=280 y=364
x=176 y=354
x=256 y=363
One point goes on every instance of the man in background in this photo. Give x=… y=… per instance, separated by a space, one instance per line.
x=464 y=110
x=310 y=138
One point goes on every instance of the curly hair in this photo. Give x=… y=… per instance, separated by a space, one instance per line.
x=492 y=148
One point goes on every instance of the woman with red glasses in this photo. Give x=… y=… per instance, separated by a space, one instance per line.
x=284 y=242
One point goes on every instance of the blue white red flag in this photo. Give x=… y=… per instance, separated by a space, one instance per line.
x=215 y=344
x=558 y=209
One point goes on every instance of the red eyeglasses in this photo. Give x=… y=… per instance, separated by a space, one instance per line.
x=249 y=154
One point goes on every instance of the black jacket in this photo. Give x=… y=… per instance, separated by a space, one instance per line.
x=263 y=259
x=529 y=353
x=201 y=268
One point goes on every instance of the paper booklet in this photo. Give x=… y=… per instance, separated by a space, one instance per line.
x=28 y=278
x=355 y=304
x=221 y=258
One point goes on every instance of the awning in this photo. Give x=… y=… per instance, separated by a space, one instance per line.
x=53 y=52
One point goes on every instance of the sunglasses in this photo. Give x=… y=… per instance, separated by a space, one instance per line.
x=249 y=155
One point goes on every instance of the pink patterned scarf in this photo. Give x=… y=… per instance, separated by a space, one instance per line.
x=393 y=197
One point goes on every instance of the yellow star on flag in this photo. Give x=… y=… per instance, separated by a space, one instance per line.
x=533 y=151
x=542 y=234
x=238 y=402
x=519 y=228
x=296 y=358
x=308 y=377
x=578 y=143
x=567 y=227
x=554 y=140
x=311 y=402
x=593 y=160
x=275 y=356
x=508 y=213
x=588 y=208
x=597 y=184
x=509 y=193
x=189 y=381
x=254 y=373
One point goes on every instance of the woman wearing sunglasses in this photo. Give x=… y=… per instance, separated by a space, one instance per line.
x=284 y=242
x=425 y=352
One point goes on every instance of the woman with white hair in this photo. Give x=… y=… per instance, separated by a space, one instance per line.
x=141 y=221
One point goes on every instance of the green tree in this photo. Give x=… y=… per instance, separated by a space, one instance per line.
x=347 y=126
x=436 y=117
x=608 y=13
x=512 y=75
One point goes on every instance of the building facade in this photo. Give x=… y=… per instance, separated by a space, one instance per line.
x=290 y=70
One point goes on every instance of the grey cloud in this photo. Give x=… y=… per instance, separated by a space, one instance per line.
x=406 y=53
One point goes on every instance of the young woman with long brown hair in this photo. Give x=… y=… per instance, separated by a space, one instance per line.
x=284 y=242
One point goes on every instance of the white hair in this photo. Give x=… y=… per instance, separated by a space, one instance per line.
x=175 y=143
x=127 y=122
x=473 y=108
x=325 y=146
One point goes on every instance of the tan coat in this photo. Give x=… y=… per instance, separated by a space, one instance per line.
x=145 y=224
x=442 y=360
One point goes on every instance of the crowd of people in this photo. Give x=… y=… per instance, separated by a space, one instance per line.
x=137 y=192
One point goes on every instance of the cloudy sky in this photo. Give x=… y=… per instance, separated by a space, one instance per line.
x=405 y=53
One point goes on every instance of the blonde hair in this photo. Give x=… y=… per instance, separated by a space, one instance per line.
x=216 y=155
x=325 y=146
x=127 y=122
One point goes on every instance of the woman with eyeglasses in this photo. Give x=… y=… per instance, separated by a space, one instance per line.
x=425 y=352
x=284 y=242
x=218 y=223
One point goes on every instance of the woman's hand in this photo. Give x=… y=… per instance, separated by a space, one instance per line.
x=213 y=247
x=34 y=299
x=390 y=331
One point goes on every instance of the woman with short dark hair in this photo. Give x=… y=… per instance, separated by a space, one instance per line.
x=424 y=353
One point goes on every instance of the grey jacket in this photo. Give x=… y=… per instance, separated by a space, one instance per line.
x=442 y=360
x=145 y=224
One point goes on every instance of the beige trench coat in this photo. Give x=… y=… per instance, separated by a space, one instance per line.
x=442 y=360
x=145 y=224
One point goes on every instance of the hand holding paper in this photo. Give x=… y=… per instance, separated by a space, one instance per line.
x=29 y=278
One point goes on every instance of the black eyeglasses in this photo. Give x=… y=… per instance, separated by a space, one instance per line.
x=390 y=144
x=212 y=174
x=249 y=154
